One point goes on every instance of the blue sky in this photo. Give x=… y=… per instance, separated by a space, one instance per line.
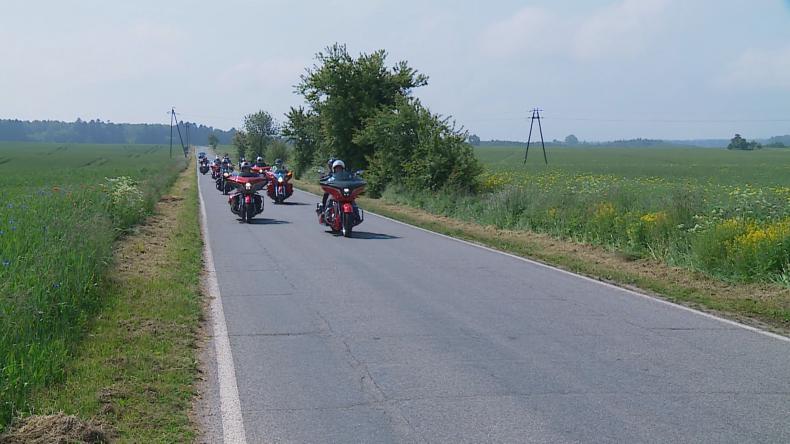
x=601 y=69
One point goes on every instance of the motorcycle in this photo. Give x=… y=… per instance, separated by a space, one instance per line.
x=260 y=169
x=222 y=183
x=341 y=213
x=245 y=202
x=215 y=170
x=204 y=166
x=280 y=187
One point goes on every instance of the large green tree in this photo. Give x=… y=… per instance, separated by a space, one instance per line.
x=261 y=128
x=240 y=141
x=302 y=128
x=739 y=143
x=343 y=92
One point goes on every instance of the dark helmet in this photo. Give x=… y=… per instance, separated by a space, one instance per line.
x=278 y=162
x=245 y=167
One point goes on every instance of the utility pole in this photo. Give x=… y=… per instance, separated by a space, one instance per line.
x=172 y=113
x=536 y=116
x=188 y=146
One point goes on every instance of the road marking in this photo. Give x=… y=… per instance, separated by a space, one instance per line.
x=587 y=278
x=230 y=406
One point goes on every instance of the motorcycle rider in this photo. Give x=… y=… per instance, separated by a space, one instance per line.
x=278 y=166
x=246 y=170
x=338 y=167
x=259 y=162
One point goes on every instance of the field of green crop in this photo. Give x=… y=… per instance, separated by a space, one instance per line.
x=61 y=208
x=726 y=213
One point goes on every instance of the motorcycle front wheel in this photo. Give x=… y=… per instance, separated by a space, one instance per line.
x=348 y=223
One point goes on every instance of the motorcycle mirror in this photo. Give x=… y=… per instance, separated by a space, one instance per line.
x=319 y=170
x=359 y=172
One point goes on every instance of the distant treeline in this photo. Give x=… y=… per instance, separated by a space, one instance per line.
x=96 y=131
x=772 y=142
x=614 y=143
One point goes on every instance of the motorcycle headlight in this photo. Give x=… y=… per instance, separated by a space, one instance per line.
x=280 y=179
x=226 y=174
x=248 y=186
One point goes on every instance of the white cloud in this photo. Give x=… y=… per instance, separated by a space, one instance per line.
x=757 y=69
x=270 y=74
x=532 y=30
x=619 y=29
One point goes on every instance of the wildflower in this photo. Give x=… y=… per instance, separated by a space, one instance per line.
x=6 y=262
x=650 y=218
x=56 y=285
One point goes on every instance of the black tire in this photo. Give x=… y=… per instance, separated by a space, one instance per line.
x=348 y=224
x=250 y=210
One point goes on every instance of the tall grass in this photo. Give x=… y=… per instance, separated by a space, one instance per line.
x=724 y=213
x=61 y=208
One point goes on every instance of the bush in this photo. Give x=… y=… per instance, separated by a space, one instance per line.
x=126 y=204
x=417 y=149
x=745 y=249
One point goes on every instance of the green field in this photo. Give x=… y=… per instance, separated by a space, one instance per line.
x=61 y=208
x=726 y=213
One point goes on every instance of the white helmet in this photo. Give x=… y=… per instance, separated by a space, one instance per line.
x=338 y=163
x=259 y=159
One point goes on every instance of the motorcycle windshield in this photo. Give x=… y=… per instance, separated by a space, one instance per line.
x=343 y=180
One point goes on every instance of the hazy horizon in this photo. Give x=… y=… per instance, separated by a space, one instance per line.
x=602 y=70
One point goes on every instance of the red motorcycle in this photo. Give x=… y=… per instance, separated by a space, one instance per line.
x=280 y=187
x=341 y=213
x=245 y=202
x=260 y=169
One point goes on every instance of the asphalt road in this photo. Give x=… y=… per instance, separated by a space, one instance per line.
x=400 y=335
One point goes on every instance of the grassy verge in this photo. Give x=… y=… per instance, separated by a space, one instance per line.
x=57 y=233
x=762 y=304
x=135 y=371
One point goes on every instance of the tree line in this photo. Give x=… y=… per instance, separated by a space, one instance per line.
x=97 y=131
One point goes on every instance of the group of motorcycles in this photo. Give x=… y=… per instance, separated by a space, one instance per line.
x=340 y=213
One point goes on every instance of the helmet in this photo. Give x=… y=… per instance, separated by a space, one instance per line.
x=245 y=167
x=278 y=162
x=338 y=163
x=259 y=159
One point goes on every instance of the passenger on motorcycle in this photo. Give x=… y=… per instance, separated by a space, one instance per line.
x=259 y=162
